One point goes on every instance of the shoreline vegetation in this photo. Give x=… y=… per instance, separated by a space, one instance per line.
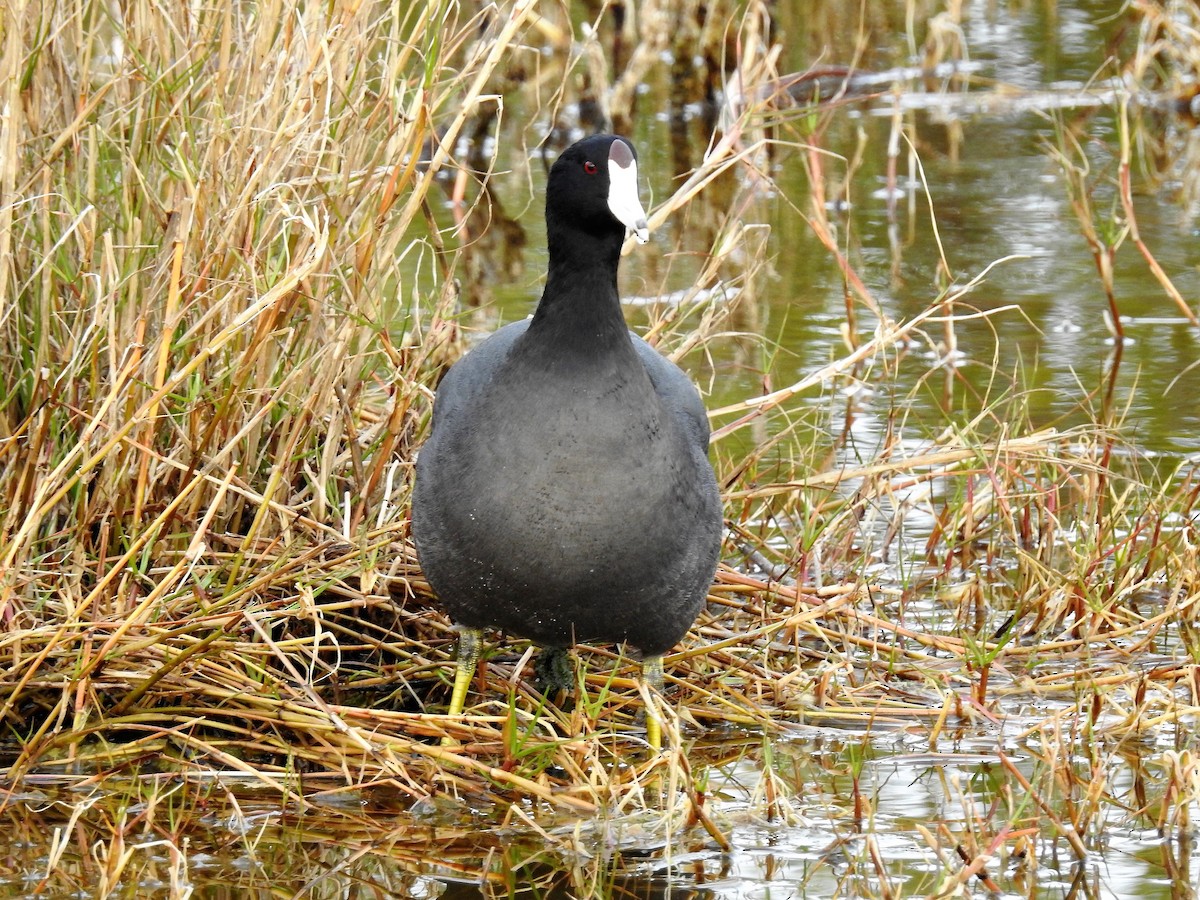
x=239 y=245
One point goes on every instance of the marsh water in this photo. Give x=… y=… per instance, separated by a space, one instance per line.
x=999 y=203
x=1001 y=208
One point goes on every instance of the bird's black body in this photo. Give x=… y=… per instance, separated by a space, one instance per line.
x=565 y=492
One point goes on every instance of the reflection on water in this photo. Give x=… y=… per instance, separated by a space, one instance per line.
x=845 y=814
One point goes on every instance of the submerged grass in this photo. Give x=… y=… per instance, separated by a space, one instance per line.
x=233 y=250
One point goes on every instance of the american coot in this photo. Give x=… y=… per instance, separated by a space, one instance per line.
x=565 y=492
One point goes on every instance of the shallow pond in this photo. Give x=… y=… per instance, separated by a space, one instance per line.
x=1039 y=81
x=843 y=814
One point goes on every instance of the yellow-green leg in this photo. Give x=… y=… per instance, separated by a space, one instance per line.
x=652 y=675
x=464 y=670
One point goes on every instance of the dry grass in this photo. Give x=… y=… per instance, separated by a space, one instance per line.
x=228 y=285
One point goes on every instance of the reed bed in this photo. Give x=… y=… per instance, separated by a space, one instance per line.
x=235 y=250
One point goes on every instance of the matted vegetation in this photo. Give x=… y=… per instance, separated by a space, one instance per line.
x=235 y=244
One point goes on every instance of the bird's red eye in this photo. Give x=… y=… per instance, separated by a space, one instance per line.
x=589 y=167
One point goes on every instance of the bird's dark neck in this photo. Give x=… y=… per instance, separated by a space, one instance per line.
x=580 y=310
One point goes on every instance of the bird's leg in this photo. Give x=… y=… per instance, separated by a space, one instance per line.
x=553 y=673
x=652 y=677
x=464 y=671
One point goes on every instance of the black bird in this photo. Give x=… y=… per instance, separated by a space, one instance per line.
x=565 y=492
